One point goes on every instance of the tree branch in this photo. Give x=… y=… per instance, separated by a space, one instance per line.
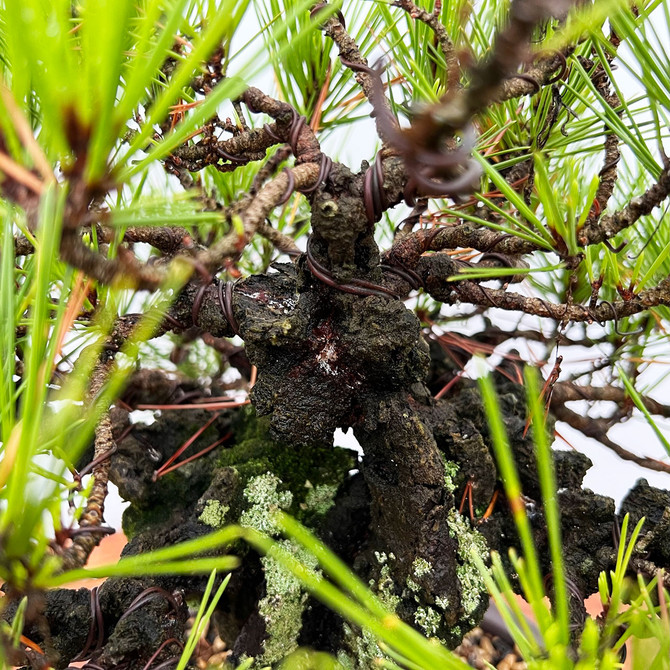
x=124 y=267
x=597 y=429
x=568 y=391
x=608 y=174
x=254 y=216
x=432 y=20
x=612 y=224
x=408 y=248
x=351 y=57
x=467 y=291
x=83 y=543
x=540 y=74
x=509 y=51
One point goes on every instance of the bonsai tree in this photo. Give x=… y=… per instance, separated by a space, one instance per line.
x=183 y=235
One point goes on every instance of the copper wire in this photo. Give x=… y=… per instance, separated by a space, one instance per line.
x=354 y=286
x=324 y=173
x=197 y=303
x=226 y=304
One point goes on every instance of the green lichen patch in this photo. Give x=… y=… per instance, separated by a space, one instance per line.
x=386 y=589
x=312 y=473
x=381 y=557
x=412 y=585
x=283 y=605
x=266 y=498
x=214 y=514
x=363 y=652
x=428 y=620
x=421 y=567
x=319 y=498
x=285 y=599
x=472 y=587
x=442 y=603
x=361 y=649
x=450 y=473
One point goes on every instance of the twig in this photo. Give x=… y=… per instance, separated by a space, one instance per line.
x=270 y=166
x=612 y=224
x=467 y=291
x=254 y=216
x=282 y=242
x=650 y=569
x=597 y=429
x=432 y=20
x=167 y=239
x=238 y=150
x=106 y=271
x=540 y=74
x=351 y=57
x=567 y=391
x=608 y=174
x=508 y=53
x=288 y=128
x=83 y=543
x=464 y=235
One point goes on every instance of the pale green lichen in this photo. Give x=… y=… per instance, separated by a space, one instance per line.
x=381 y=557
x=320 y=498
x=586 y=565
x=365 y=650
x=472 y=585
x=442 y=603
x=282 y=607
x=412 y=585
x=428 y=620
x=345 y=660
x=421 y=567
x=265 y=498
x=386 y=589
x=214 y=514
x=284 y=602
x=450 y=472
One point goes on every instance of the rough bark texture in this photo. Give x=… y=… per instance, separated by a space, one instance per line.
x=395 y=521
x=335 y=347
x=328 y=358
